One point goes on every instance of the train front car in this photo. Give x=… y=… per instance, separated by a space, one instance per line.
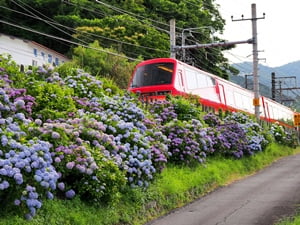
x=154 y=79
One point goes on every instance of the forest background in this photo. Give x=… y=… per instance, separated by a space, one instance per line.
x=118 y=34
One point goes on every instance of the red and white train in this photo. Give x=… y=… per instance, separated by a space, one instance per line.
x=154 y=79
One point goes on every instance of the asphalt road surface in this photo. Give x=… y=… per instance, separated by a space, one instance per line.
x=260 y=199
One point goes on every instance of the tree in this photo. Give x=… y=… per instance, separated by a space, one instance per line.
x=97 y=61
x=127 y=35
x=136 y=28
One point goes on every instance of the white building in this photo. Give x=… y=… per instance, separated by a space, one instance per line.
x=29 y=53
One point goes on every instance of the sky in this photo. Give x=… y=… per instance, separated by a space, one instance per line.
x=278 y=34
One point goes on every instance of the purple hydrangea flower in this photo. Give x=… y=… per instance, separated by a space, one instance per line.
x=70 y=193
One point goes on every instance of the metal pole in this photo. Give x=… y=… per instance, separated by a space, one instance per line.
x=217 y=44
x=182 y=44
x=255 y=63
x=172 y=39
x=273 y=85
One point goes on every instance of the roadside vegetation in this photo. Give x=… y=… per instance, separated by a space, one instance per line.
x=76 y=149
x=176 y=186
x=292 y=220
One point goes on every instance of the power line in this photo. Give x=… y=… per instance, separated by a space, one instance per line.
x=49 y=23
x=68 y=41
x=84 y=32
x=87 y=9
x=192 y=3
x=135 y=15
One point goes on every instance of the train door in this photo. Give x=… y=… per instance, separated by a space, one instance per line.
x=221 y=91
x=181 y=80
x=266 y=110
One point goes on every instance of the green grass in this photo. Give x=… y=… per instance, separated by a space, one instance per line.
x=290 y=221
x=175 y=187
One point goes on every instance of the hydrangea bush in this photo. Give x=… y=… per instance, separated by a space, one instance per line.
x=27 y=173
x=188 y=141
x=94 y=149
x=284 y=136
x=66 y=133
x=257 y=138
x=236 y=135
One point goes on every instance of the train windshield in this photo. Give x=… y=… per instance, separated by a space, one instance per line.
x=153 y=74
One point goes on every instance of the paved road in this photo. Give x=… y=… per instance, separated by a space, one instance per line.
x=260 y=199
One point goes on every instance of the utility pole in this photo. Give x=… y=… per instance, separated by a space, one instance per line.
x=172 y=39
x=255 y=58
x=252 y=41
x=273 y=86
x=278 y=88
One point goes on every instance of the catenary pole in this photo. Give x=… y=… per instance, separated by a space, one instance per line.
x=253 y=41
x=255 y=63
x=254 y=19
x=172 y=39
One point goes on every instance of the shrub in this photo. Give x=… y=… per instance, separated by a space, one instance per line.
x=236 y=135
x=188 y=142
x=284 y=137
x=26 y=171
x=52 y=101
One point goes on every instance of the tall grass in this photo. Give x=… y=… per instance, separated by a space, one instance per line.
x=175 y=187
x=290 y=220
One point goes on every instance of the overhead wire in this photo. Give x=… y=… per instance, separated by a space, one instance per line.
x=191 y=3
x=32 y=10
x=210 y=52
x=84 y=32
x=92 y=34
x=65 y=40
x=135 y=15
x=115 y=8
x=85 y=8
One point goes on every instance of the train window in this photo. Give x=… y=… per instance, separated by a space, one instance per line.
x=153 y=74
x=35 y=52
x=238 y=100
x=271 y=113
x=276 y=116
x=196 y=79
x=204 y=80
x=242 y=101
x=201 y=80
x=191 y=77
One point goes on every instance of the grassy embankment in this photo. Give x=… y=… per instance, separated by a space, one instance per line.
x=175 y=187
x=290 y=221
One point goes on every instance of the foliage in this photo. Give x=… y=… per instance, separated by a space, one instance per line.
x=92 y=150
x=188 y=141
x=137 y=29
x=282 y=136
x=99 y=62
x=26 y=173
x=290 y=220
x=125 y=34
x=236 y=135
x=177 y=186
x=177 y=107
x=74 y=136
